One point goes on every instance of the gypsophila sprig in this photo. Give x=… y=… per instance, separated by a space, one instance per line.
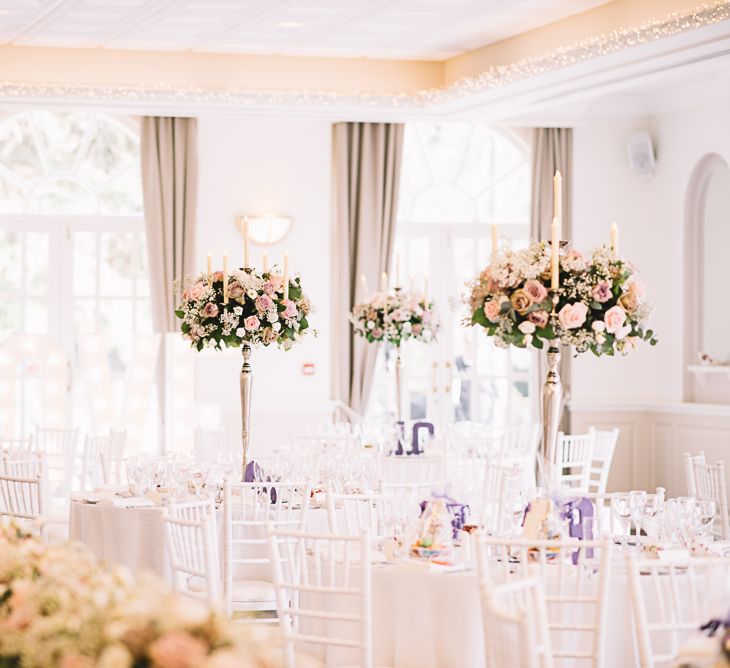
x=256 y=312
x=601 y=304
x=395 y=318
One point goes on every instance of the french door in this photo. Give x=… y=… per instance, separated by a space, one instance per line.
x=463 y=376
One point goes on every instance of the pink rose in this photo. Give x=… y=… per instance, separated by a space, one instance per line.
x=216 y=276
x=572 y=316
x=492 y=310
x=377 y=332
x=614 y=318
x=269 y=288
x=601 y=292
x=177 y=649
x=264 y=303
x=291 y=310
x=252 y=323
x=416 y=329
x=535 y=291
x=75 y=661
x=538 y=318
x=277 y=281
x=210 y=310
x=269 y=335
x=235 y=290
x=186 y=295
x=196 y=292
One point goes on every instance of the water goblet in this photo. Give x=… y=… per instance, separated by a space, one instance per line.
x=707 y=514
x=621 y=514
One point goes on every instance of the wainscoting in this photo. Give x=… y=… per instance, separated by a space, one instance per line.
x=654 y=437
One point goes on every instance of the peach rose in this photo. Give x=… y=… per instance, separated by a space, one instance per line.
x=572 y=316
x=216 y=276
x=492 y=310
x=210 y=310
x=520 y=301
x=536 y=291
x=264 y=303
x=538 y=318
x=269 y=335
x=601 y=292
x=177 y=649
x=235 y=290
x=638 y=290
x=614 y=318
x=196 y=291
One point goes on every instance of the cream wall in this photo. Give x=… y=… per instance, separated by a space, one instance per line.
x=280 y=165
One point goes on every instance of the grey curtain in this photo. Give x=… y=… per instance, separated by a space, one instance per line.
x=169 y=186
x=366 y=170
x=552 y=148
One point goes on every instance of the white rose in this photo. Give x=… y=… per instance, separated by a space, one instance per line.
x=240 y=332
x=238 y=310
x=272 y=316
x=598 y=325
x=370 y=324
x=623 y=332
x=406 y=327
x=276 y=326
x=600 y=338
x=526 y=327
x=252 y=294
x=528 y=340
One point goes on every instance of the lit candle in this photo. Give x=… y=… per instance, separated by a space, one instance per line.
x=210 y=267
x=286 y=276
x=495 y=242
x=425 y=290
x=225 y=278
x=614 y=238
x=397 y=270
x=245 y=241
x=364 y=282
x=384 y=282
x=555 y=258
x=558 y=200
x=413 y=283
x=266 y=262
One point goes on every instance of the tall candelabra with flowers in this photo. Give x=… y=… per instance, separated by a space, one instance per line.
x=242 y=309
x=550 y=294
x=394 y=317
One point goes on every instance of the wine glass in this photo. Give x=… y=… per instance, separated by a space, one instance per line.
x=621 y=513
x=649 y=519
x=707 y=514
x=199 y=476
x=637 y=504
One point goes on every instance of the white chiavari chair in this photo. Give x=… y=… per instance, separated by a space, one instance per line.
x=689 y=474
x=195 y=511
x=192 y=550
x=604 y=446
x=710 y=485
x=113 y=461
x=514 y=618
x=16 y=447
x=671 y=601
x=248 y=508
x=91 y=475
x=499 y=484
x=323 y=586
x=574 y=460
x=23 y=494
x=352 y=514
x=59 y=446
x=210 y=442
x=575 y=576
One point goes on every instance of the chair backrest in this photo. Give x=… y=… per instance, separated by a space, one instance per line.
x=499 y=483
x=248 y=509
x=103 y=460
x=323 y=585
x=352 y=514
x=689 y=474
x=575 y=576
x=16 y=447
x=23 y=499
x=404 y=470
x=194 y=511
x=604 y=446
x=671 y=601
x=211 y=441
x=710 y=485
x=514 y=618
x=574 y=460
x=59 y=446
x=193 y=554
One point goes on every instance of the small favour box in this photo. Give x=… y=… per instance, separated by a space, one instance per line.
x=434 y=535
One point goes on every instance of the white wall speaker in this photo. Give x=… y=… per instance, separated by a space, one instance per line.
x=640 y=150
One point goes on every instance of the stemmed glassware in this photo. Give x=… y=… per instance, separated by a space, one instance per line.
x=621 y=513
x=637 y=505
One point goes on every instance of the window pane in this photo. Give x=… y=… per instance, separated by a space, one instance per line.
x=10 y=264
x=444 y=203
x=84 y=262
x=36 y=263
x=85 y=318
x=116 y=269
x=143 y=274
x=18 y=150
x=12 y=196
x=10 y=316
x=115 y=321
x=124 y=194
x=62 y=195
x=61 y=135
x=36 y=316
x=112 y=149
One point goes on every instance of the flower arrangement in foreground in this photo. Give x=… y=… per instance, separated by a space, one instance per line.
x=59 y=608
x=601 y=303
x=395 y=318
x=245 y=306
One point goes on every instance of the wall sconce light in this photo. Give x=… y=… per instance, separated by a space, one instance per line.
x=267 y=229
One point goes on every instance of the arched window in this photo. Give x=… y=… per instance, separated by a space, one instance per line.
x=74 y=259
x=456 y=180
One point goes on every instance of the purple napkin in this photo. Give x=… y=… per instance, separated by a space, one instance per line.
x=254 y=470
x=458 y=511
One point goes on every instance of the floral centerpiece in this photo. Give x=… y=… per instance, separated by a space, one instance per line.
x=395 y=318
x=601 y=304
x=258 y=309
x=60 y=608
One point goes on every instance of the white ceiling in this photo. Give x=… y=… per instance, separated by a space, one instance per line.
x=401 y=29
